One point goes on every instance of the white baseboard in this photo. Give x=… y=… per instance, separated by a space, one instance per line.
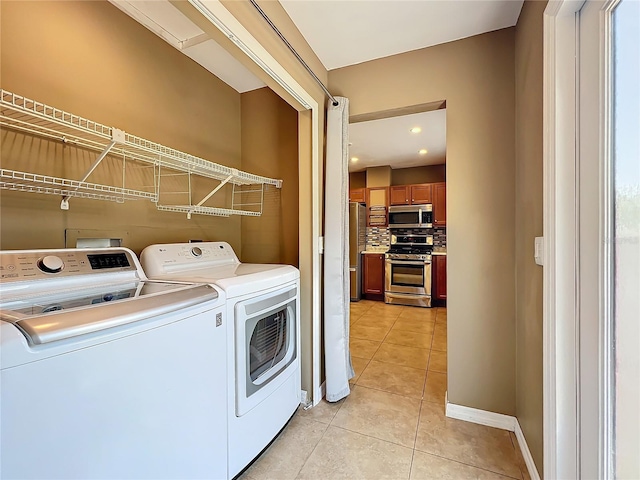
x=497 y=420
x=320 y=392
x=526 y=454
x=483 y=417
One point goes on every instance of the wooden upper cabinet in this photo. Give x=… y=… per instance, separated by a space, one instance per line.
x=421 y=194
x=439 y=204
x=400 y=195
x=357 y=195
x=410 y=194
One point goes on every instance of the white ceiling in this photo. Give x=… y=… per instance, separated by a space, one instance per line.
x=347 y=32
x=389 y=141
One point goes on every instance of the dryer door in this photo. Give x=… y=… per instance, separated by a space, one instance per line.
x=266 y=345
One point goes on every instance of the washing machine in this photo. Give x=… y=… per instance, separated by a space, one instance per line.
x=105 y=374
x=263 y=337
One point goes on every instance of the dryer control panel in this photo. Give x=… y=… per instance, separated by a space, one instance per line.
x=164 y=259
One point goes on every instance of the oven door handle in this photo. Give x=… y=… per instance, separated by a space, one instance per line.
x=409 y=262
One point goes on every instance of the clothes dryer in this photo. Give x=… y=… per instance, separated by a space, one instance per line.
x=263 y=337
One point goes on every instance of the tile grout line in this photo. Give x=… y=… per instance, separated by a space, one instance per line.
x=516 y=448
x=391 y=393
x=413 y=454
x=315 y=446
x=467 y=464
x=371 y=436
x=374 y=353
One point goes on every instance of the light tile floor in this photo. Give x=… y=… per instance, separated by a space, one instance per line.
x=392 y=425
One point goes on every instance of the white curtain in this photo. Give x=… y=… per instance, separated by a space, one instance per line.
x=338 y=368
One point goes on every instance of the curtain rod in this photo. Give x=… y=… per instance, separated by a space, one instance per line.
x=293 y=50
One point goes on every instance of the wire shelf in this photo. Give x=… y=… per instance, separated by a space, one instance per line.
x=28 y=182
x=220 y=212
x=35 y=118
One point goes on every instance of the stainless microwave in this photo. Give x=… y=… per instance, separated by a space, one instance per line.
x=411 y=216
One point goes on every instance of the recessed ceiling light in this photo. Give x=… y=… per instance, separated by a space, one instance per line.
x=354 y=159
x=423 y=151
x=415 y=130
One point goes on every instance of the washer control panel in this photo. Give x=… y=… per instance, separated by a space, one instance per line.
x=50 y=264
x=30 y=265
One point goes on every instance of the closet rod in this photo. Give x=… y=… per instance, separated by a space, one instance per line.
x=293 y=50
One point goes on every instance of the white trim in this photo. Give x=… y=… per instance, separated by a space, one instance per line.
x=482 y=417
x=607 y=190
x=526 y=453
x=496 y=420
x=224 y=20
x=560 y=332
x=320 y=394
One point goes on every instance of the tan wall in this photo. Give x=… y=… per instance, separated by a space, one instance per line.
x=378 y=177
x=425 y=174
x=358 y=179
x=528 y=77
x=270 y=146
x=91 y=59
x=475 y=77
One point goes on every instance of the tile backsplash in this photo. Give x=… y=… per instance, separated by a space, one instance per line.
x=378 y=237
x=440 y=237
x=381 y=237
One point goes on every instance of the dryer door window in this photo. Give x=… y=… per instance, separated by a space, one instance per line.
x=266 y=345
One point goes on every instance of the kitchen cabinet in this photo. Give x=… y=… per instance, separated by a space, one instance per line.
x=373 y=274
x=439 y=204
x=439 y=277
x=357 y=195
x=400 y=195
x=410 y=194
x=421 y=194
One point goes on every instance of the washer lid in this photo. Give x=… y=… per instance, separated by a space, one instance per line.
x=58 y=315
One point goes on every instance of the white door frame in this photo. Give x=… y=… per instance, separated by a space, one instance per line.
x=560 y=308
x=561 y=290
x=224 y=20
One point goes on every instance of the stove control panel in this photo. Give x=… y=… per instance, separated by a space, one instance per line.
x=409 y=256
x=18 y=266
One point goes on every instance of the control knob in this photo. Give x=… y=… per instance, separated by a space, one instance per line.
x=51 y=264
x=196 y=251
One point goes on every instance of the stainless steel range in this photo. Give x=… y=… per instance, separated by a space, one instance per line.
x=408 y=268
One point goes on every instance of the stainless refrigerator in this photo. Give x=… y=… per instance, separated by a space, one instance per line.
x=357 y=244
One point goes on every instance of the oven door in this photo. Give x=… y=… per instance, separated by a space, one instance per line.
x=408 y=276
